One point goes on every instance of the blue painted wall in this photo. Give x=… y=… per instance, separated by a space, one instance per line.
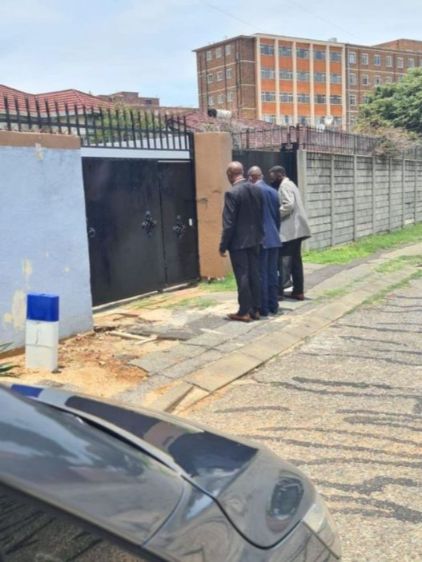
x=43 y=240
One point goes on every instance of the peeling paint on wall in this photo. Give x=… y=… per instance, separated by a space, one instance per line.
x=27 y=269
x=16 y=317
x=39 y=151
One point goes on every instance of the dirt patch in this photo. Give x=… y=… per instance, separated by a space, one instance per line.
x=95 y=364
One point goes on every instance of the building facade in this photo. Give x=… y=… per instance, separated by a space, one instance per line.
x=226 y=76
x=292 y=81
x=369 y=67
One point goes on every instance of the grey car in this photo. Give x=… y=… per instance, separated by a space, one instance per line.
x=88 y=481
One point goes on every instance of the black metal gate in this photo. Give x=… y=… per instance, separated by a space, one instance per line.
x=142 y=229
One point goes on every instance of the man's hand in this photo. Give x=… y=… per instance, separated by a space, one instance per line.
x=222 y=254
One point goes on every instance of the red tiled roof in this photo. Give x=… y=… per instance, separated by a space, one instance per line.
x=70 y=97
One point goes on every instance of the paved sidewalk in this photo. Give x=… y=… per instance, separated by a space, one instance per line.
x=213 y=352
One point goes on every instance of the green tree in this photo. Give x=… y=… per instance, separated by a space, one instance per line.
x=397 y=105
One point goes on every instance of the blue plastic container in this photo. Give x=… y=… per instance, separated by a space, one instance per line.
x=42 y=307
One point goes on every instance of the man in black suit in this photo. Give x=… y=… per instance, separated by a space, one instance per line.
x=242 y=236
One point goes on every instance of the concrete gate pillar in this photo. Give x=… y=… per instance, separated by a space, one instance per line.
x=213 y=152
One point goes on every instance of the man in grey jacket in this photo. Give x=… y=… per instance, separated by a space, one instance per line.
x=294 y=228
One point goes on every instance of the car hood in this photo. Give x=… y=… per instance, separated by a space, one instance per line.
x=60 y=460
x=263 y=496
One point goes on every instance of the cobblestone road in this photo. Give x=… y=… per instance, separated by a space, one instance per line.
x=346 y=407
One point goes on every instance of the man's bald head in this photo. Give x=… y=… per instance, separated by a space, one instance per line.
x=255 y=174
x=234 y=171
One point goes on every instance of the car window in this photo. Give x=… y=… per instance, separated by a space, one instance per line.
x=30 y=532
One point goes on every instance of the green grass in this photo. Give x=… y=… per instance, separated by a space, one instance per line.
x=365 y=246
x=194 y=302
x=220 y=285
x=397 y=263
x=336 y=293
x=381 y=295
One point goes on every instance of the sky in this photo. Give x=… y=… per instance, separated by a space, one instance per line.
x=105 y=46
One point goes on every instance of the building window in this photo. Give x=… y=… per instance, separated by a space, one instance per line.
x=365 y=80
x=400 y=62
x=286 y=75
x=267 y=49
x=210 y=77
x=219 y=76
x=319 y=55
x=320 y=77
x=364 y=59
x=389 y=61
x=218 y=53
x=230 y=96
x=228 y=50
x=221 y=98
x=377 y=80
x=352 y=79
x=377 y=60
x=267 y=74
x=335 y=78
x=352 y=99
x=410 y=63
x=286 y=97
x=320 y=98
x=285 y=51
x=352 y=57
x=228 y=73
x=335 y=56
x=209 y=55
x=303 y=98
x=303 y=76
x=210 y=101
x=335 y=100
x=268 y=96
x=302 y=53
x=303 y=120
x=365 y=99
x=269 y=118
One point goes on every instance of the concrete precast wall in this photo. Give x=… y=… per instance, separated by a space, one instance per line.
x=351 y=196
x=43 y=237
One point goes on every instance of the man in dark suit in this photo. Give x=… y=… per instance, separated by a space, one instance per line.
x=242 y=236
x=270 y=245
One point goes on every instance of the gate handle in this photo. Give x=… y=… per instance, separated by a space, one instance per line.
x=179 y=228
x=149 y=224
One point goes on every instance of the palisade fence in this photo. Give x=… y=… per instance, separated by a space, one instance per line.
x=102 y=126
x=313 y=140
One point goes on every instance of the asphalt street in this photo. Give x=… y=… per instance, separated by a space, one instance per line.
x=346 y=408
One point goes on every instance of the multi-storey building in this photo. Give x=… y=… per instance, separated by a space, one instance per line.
x=368 y=67
x=291 y=81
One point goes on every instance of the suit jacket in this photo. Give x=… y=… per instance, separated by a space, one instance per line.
x=294 y=222
x=271 y=216
x=242 y=217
